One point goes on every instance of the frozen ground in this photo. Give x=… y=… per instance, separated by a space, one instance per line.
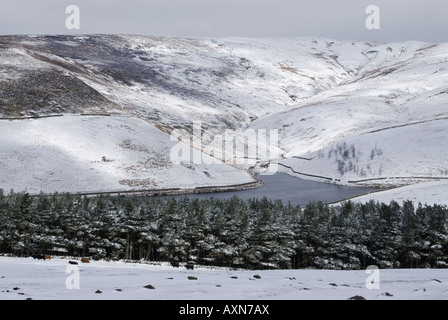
x=434 y=192
x=23 y=278
x=74 y=153
x=384 y=156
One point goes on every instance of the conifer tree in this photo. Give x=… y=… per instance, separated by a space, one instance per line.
x=173 y=247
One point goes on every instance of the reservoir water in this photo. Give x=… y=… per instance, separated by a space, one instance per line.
x=289 y=189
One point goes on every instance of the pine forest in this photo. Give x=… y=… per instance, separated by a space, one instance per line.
x=254 y=234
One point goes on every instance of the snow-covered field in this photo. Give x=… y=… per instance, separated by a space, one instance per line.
x=385 y=156
x=23 y=278
x=434 y=192
x=75 y=153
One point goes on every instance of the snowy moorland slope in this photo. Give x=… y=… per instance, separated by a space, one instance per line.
x=26 y=278
x=410 y=153
x=91 y=154
x=345 y=111
x=430 y=193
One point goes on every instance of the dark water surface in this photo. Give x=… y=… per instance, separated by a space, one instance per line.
x=289 y=189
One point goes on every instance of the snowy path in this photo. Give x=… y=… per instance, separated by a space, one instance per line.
x=23 y=278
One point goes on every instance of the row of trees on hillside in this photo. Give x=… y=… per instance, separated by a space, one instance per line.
x=234 y=233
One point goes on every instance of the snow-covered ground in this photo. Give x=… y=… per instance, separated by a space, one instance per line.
x=318 y=93
x=383 y=156
x=434 y=192
x=23 y=278
x=76 y=153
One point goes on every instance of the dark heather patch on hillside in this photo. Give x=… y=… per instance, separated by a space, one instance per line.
x=103 y=57
x=48 y=92
x=113 y=57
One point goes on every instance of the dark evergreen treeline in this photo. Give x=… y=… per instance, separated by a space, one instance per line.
x=247 y=234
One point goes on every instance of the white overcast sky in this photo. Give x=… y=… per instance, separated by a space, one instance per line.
x=424 y=20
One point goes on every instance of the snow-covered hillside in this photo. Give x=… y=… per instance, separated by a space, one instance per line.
x=91 y=154
x=332 y=102
x=431 y=193
x=26 y=278
x=387 y=120
x=409 y=153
